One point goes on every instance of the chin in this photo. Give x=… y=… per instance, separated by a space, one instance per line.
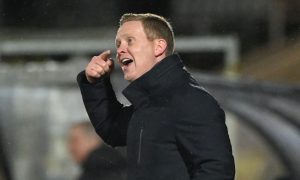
x=129 y=78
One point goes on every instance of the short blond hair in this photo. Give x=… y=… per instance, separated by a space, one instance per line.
x=155 y=27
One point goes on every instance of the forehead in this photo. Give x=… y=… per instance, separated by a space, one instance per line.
x=130 y=28
x=76 y=131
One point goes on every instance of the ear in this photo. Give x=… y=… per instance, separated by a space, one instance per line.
x=160 y=47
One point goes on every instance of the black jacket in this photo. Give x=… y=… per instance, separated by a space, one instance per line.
x=174 y=130
x=104 y=163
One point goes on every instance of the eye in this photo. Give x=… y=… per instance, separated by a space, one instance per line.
x=118 y=43
x=130 y=40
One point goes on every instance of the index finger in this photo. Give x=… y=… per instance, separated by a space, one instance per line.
x=105 y=55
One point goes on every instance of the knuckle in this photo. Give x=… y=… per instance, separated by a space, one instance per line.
x=93 y=73
x=102 y=63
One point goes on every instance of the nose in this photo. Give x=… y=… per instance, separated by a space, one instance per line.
x=121 y=50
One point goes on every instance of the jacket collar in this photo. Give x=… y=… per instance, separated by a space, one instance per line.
x=157 y=81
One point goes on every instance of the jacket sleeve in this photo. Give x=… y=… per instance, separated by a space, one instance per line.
x=109 y=117
x=203 y=139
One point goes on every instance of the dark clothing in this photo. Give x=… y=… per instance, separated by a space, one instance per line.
x=104 y=163
x=174 y=130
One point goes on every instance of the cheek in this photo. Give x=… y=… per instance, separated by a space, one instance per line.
x=76 y=145
x=144 y=58
x=142 y=50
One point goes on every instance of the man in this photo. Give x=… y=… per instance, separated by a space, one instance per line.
x=173 y=130
x=98 y=161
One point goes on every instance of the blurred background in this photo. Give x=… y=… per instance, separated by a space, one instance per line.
x=246 y=53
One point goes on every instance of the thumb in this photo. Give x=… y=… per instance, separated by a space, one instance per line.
x=110 y=63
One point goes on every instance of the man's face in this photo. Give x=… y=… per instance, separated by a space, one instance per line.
x=135 y=53
x=79 y=144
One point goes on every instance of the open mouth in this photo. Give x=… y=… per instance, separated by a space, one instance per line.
x=126 y=61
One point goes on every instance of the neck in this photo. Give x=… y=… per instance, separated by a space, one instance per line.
x=161 y=57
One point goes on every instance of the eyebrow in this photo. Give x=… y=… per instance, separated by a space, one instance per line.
x=117 y=40
x=126 y=35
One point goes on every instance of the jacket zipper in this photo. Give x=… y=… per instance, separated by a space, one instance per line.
x=140 y=146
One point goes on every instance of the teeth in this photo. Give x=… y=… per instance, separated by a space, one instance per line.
x=126 y=61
